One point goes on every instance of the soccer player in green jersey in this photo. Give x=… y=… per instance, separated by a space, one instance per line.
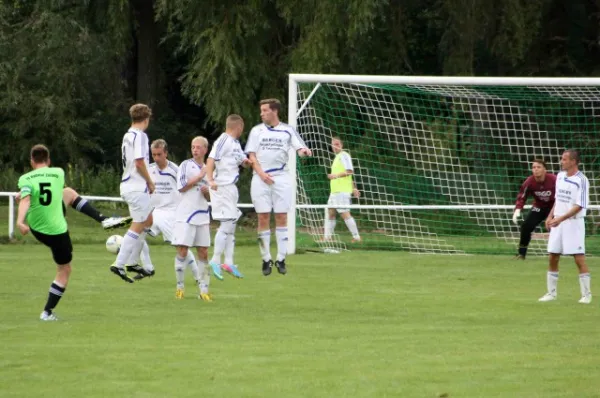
x=342 y=189
x=41 y=212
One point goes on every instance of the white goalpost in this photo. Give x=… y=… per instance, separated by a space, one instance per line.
x=438 y=160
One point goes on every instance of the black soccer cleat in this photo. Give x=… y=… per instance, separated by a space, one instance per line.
x=134 y=268
x=281 y=267
x=120 y=272
x=267 y=267
x=144 y=274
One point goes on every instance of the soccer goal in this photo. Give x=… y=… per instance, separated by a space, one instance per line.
x=438 y=160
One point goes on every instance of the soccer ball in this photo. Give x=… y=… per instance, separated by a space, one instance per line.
x=113 y=243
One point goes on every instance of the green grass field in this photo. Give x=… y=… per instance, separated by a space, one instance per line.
x=357 y=324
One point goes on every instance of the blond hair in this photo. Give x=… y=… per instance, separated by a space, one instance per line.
x=201 y=139
x=140 y=112
x=232 y=120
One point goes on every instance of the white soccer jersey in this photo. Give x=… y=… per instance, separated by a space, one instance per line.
x=228 y=155
x=271 y=145
x=192 y=207
x=135 y=146
x=166 y=194
x=571 y=191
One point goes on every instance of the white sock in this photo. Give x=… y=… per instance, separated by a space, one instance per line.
x=145 y=257
x=128 y=247
x=329 y=227
x=584 y=284
x=351 y=224
x=282 y=240
x=264 y=242
x=220 y=243
x=148 y=266
x=180 y=271
x=190 y=262
x=204 y=276
x=552 y=282
x=229 y=249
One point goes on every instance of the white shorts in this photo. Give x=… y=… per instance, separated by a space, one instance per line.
x=139 y=204
x=163 y=221
x=276 y=197
x=568 y=238
x=340 y=199
x=223 y=203
x=189 y=235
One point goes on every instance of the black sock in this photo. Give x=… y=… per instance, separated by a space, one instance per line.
x=54 y=296
x=522 y=251
x=86 y=208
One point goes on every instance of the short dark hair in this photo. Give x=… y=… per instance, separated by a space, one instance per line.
x=40 y=154
x=540 y=161
x=574 y=155
x=273 y=103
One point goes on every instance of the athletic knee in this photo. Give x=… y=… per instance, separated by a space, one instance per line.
x=203 y=253
x=281 y=219
x=227 y=227
x=182 y=251
x=264 y=219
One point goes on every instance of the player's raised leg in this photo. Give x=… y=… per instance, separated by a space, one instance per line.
x=72 y=198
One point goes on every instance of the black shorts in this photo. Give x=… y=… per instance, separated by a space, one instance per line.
x=62 y=249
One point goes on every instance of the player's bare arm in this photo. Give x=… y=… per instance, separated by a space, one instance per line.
x=355 y=190
x=555 y=222
x=210 y=168
x=140 y=165
x=550 y=217
x=256 y=166
x=205 y=192
x=340 y=175
x=22 y=212
x=194 y=180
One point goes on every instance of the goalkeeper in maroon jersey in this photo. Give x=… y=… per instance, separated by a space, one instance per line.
x=541 y=186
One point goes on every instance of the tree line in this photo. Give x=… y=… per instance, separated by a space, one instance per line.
x=69 y=70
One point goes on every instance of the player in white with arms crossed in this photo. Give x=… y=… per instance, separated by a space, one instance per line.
x=272 y=186
x=164 y=200
x=136 y=187
x=567 y=227
x=222 y=172
x=192 y=219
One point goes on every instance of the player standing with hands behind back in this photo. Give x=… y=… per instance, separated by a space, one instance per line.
x=272 y=186
x=540 y=185
x=567 y=226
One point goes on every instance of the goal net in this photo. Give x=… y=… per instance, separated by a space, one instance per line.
x=438 y=161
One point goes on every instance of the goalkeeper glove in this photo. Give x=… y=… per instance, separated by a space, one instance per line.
x=516 y=216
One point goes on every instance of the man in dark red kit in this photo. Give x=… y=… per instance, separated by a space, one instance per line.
x=541 y=186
